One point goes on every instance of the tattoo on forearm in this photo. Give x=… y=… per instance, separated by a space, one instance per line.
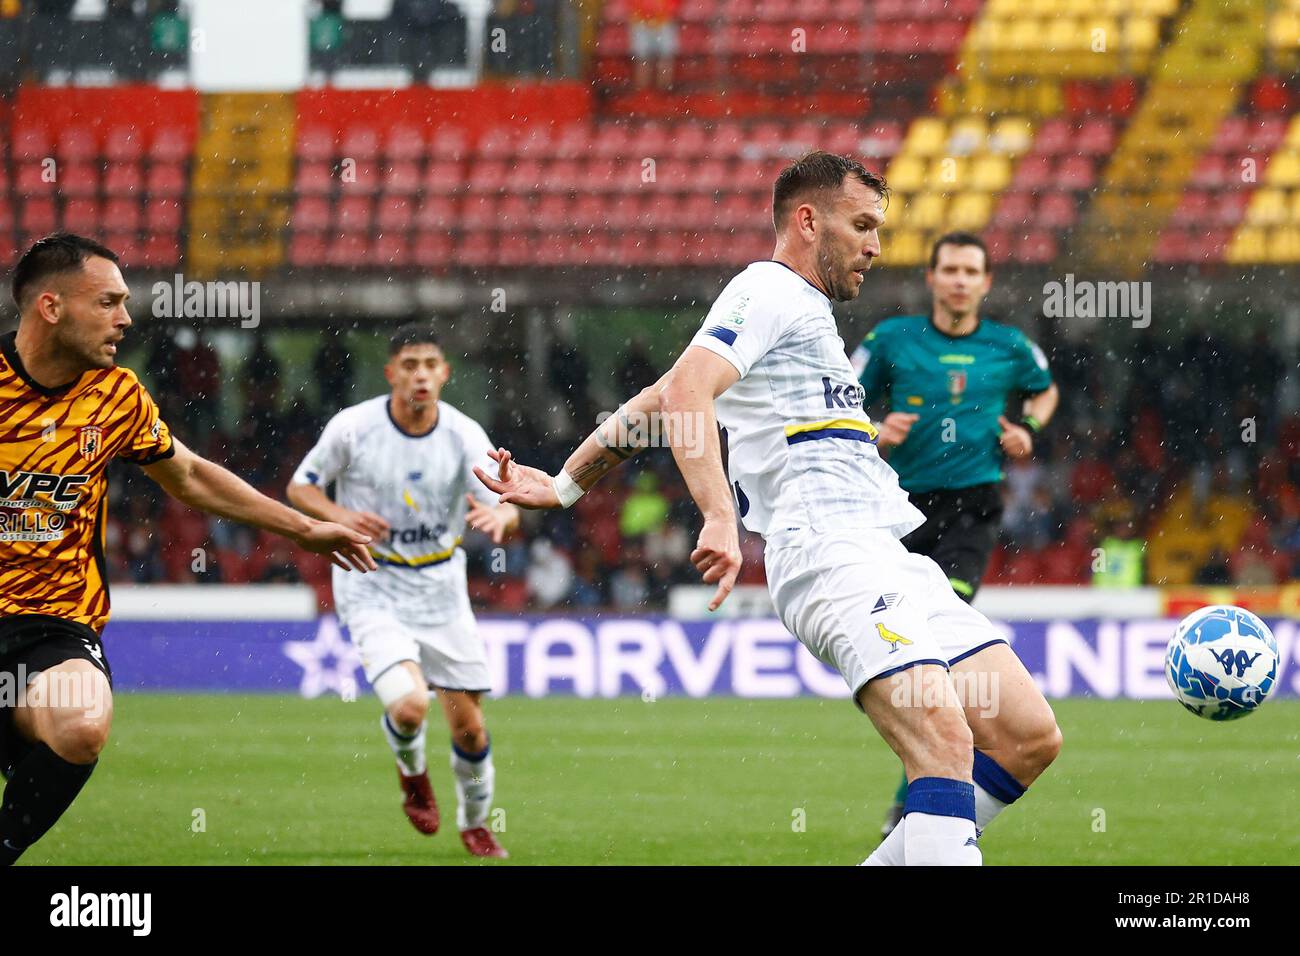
x=592 y=470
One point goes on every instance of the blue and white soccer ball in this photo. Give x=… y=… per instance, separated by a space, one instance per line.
x=1222 y=662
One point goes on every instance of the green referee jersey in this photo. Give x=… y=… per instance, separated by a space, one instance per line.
x=958 y=385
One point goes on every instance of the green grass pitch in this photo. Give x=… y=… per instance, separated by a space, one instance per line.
x=280 y=780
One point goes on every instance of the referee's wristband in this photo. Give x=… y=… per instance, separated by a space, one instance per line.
x=1032 y=423
x=566 y=489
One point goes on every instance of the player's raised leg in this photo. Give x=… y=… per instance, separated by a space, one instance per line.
x=931 y=737
x=402 y=691
x=61 y=728
x=1015 y=732
x=471 y=763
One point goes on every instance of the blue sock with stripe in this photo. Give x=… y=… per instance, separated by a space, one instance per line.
x=995 y=789
x=939 y=823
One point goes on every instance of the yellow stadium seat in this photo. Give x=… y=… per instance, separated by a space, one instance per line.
x=902 y=247
x=1141 y=33
x=970 y=211
x=927 y=137
x=1283 y=169
x=906 y=173
x=1292 y=137
x=1248 y=245
x=1284 y=244
x=1268 y=207
x=1284 y=30
x=928 y=211
x=990 y=174
x=948 y=174
x=1012 y=135
x=1295 y=207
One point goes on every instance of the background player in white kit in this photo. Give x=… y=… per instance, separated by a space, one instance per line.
x=403 y=465
x=803 y=467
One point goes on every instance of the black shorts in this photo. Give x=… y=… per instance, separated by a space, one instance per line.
x=29 y=644
x=960 y=531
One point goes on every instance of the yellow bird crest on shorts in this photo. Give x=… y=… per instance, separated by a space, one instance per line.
x=893 y=638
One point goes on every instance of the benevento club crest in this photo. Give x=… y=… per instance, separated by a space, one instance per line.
x=89 y=439
x=956 y=384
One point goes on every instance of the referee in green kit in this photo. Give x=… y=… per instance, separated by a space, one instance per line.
x=949 y=376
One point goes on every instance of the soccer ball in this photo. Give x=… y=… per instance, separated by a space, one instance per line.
x=1222 y=662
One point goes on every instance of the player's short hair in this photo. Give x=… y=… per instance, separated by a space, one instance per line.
x=57 y=253
x=413 y=333
x=958 y=239
x=819 y=173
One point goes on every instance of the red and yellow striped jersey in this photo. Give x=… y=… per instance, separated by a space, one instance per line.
x=55 y=444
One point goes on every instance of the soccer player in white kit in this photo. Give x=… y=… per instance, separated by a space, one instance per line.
x=769 y=366
x=403 y=465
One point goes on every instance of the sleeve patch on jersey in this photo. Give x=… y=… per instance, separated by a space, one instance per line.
x=1039 y=357
x=725 y=335
x=313 y=477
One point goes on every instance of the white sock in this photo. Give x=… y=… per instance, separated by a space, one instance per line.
x=890 y=851
x=987 y=807
x=475 y=780
x=932 y=840
x=407 y=748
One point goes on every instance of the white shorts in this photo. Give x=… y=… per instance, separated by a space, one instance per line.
x=865 y=605
x=450 y=655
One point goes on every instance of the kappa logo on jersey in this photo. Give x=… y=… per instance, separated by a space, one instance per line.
x=94 y=651
x=886 y=601
x=89 y=439
x=895 y=640
x=23 y=489
x=838 y=395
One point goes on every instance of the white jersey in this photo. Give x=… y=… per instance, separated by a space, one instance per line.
x=801 y=451
x=417 y=483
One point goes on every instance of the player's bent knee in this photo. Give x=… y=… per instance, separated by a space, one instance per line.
x=79 y=739
x=408 y=713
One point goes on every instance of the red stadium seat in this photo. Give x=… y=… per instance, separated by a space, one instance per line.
x=162 y=250
x=405 y=143
x=395 y=214
x=475 y=250
x=123 y=144
x=348 y=251
x=479 y=212
x=31 y=179
x=1211 y=172
x=363 y=179
x=488 y=177
x=552 y=212
x=571 y=141
x=81 y=216
x=170 y=145
x=437 y=214
x=307 y=249
x=517 y=250
x=515 y=214
x=7 y=220
x=77 y=144
x=353 y=214
x=315 y=144
x=31 y=144
x=360 y=143
x=1036 y=248
x=402 y=178
x=1075 y=173
x=79 y=179
x=1229 y=207
x=123 y=213
x=1033 y=173
x=1014 y=211
x=1057 y=211
x=160 y=215
x=444 y=178
x=1096 y=137
x=166 y=181
x=315 y=178
x=498 y=143
x=449 y=143
x=38 y=216
x=1194 y=208
x=1054 y=137
x=311 y=213
x=562 y=176
x=1174 y=247
x=390 y=250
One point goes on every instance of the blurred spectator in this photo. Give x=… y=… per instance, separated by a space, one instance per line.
x=528 y=34
x=549 y=575
x=1119 y=565
x=637 y=371
x=1215 y=570
x=652 y=25
x=430 y=34
x=645 y=510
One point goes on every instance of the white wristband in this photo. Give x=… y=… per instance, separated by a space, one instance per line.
x=566 y=489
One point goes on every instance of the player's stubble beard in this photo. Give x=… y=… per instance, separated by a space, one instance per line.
x=74 y=338
x=836 y=273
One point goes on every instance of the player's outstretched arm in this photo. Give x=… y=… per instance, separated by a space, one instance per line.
x=207 y=486
x=614 y=441
x=312 y=500
x=691 y=424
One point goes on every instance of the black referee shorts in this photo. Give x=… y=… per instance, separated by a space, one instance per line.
x=959 y=533
x=29 y=644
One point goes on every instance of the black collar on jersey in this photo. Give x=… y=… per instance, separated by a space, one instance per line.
x=9 y=347
x=388 y=407
x=929 y=317
x=804 y=278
